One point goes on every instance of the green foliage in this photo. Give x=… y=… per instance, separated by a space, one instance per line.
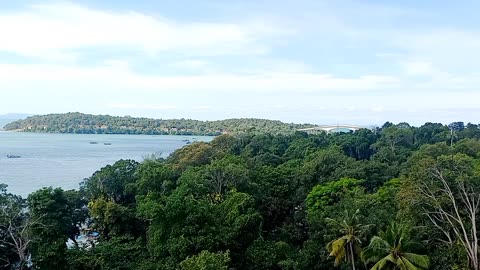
x=330 y=164
x=111 y=194
x=331 y=193
x=392 y=249
x=257 y=200
x=119 y=253
x=347 y=246
x=54 y=212
x=14 y=231
x=264 y=254
x=106 y=124
x=112 y=182
x=154 y=176
x=206 y=260
x=193 y=155
x=111 y=218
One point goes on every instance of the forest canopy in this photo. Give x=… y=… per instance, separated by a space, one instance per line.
x=106 y=124
x=398 y=197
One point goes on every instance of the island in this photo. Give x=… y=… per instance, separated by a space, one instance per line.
x=80 y=123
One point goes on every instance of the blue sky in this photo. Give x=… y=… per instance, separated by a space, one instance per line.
x=324 y=62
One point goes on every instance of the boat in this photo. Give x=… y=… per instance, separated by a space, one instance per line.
x=13 y=156
x=93 y=142
x=107 y=143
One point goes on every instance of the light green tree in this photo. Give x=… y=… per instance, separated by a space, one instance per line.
x=206 y=260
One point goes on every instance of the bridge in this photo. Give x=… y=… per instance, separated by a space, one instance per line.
x=332 y=128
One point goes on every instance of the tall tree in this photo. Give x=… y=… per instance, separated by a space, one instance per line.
x=347 y=246
x=391 y=249
x=449 y=195
x=16 y=236
x=54 y=210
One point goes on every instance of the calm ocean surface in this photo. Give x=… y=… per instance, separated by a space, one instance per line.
x=63 y=160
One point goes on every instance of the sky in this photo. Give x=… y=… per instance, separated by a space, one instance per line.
x=303 y=61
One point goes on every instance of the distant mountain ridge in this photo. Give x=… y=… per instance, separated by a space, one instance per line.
x=105 y=124
x=10 y=117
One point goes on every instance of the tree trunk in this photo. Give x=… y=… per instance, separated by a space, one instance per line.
x=352 y=255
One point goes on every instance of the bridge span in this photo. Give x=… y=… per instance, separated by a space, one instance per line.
x=333 y=128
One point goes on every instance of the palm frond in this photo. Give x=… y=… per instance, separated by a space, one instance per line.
x=383 y=263
x=387 y=250
x=400 y=264
x=337 y=249
x=420 y=261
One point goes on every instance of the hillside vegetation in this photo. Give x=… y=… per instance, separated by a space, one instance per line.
x=399 y=197
x=105 y=124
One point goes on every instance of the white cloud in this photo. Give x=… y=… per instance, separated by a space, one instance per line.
x=56 y=29
x=377 y=109
x=116 y=75
x=350 y=108
x=388 y=55
x=202 y=107
x=191 y=64
x=418 y=68
x=443 y=50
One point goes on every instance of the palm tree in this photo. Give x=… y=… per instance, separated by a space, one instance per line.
x=390 y=250
x=347 y=246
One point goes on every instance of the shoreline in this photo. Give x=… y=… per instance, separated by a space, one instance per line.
x=141 y=134
x=108 y=134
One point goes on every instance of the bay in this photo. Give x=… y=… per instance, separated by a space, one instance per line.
x=63 y=160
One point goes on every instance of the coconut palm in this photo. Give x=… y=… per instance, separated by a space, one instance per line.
x=346 y=247
x=391 y=250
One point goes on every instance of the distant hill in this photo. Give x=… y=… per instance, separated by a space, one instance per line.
x=106 y=124
x=10 y=117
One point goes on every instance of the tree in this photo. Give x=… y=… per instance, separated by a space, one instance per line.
x=154 y=176
x=111 y=194
x=454 y=128
x=264 y=254
x=431 y=133
x=195 y=154
x=188 y=220
x=391 y=249
x=450 y=198
x=394 y=145
x=16 y=236
x=332 y=192
x=54 y=211
x=122 y=253
x=112 y=182
x=347 y=246
x=329 y=164
x=111 y=218
x=357 y=144
x=470 y=131
x=206 y=260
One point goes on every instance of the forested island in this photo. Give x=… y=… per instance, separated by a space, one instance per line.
x=398 y=197
x=80 y=123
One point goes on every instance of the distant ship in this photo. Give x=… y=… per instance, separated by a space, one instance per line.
x=107 y=143
x=13 y=156
x=93 y=142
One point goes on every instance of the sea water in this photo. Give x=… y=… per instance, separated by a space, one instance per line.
x=63 y=160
